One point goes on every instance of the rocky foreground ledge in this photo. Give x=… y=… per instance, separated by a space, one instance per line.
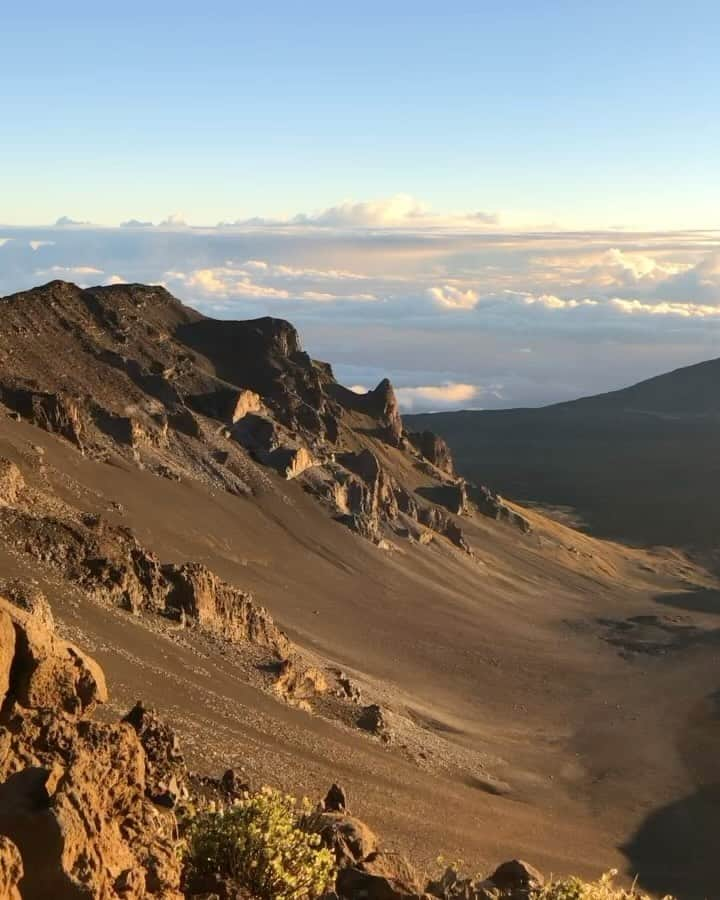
x=91 y=810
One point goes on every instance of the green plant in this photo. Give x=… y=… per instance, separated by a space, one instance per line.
x=603 y=889
x=260 y=844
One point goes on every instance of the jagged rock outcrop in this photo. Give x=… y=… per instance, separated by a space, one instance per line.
x=110 y=564
x=197 y=595
x=383 y=403
x=297 y=682
x=56 y=412
x=166 y=775
x=434 y=449
x=246 y=402
x=491 y=504
x=106 y=561
x=72 y=792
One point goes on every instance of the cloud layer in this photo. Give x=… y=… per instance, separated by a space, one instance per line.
x=456 y=316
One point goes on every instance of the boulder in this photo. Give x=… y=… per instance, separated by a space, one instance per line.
x=354 y=882
x=453 y=886
x=349 y=838
x=49 y=673
x=335 y=800
x=297 y=682
x=182 y=420
x=373 y=718
x=245 y=402
x=516 y=879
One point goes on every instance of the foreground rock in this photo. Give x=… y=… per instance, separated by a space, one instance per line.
x=73 y=792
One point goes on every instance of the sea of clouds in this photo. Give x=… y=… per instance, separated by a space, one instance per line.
x=460 y=311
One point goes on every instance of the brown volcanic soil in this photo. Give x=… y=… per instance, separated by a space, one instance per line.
x=550 y=696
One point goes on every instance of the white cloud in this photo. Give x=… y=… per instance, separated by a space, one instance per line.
x=256 y=279
x=396 y=211
x=36 y=245
x=4 y=241
x=613 y=267
x=69 y=271
x=436 y=396
x=67 y=220
x=224 y=282
x=698 y=283
x=451 y=297
x=137 y=223
x=115 y=279
x=550 y=301
x=665 y=308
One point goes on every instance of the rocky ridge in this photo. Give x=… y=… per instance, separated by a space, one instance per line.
x=128 y=370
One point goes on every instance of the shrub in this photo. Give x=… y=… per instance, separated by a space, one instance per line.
x=259 y=843
x=575 y=889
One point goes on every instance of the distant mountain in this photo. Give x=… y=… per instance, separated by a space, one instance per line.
x=641 y=464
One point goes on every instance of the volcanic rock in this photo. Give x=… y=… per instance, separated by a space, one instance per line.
x=199 y=595
x=350 y=839
x=72 y=792
x=246 y=402
x=166 y=775
x=517 y=879
x=11 y=870
x=491 y=504
x=11 y=482
x=372 y=718
x=59 y=413
x=380 y=876
x=335 y=800
x=48 y=673
x=298 y=682
x=434 y=449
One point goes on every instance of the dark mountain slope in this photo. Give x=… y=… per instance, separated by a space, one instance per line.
x=640 y=464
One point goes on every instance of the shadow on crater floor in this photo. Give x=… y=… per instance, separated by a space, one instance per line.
x=676 y=850
x=703 y=600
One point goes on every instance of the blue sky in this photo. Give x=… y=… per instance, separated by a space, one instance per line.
x=580 y=114
x=494 y=204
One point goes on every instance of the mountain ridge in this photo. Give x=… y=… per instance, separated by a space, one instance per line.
x=636 y=464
